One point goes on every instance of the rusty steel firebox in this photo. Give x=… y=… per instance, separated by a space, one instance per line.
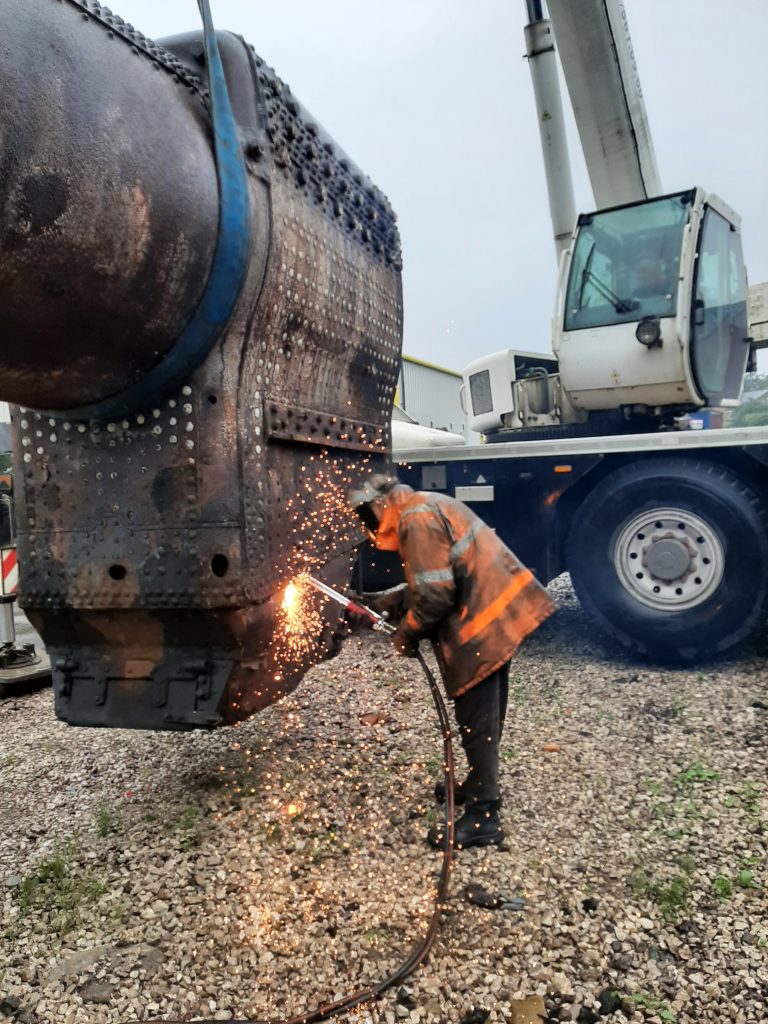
x=157 y=528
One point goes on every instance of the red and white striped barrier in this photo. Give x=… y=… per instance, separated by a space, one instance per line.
x=10 y=571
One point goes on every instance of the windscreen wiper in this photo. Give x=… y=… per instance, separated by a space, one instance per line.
x=619 y=304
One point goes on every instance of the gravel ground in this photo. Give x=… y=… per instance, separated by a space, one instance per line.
x=255 y=871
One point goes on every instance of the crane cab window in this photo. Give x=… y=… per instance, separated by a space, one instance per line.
x=626 y=263
x=719 y=319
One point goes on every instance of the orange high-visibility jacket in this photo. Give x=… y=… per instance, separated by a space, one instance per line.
x=468 y=592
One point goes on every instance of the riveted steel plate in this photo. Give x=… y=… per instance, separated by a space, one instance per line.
x=165 y=539
x=329 y=430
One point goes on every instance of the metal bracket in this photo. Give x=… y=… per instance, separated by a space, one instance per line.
x=180 y=693
x=308 y=426
x=18 y=657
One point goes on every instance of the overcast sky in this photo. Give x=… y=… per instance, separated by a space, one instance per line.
x=433 y=100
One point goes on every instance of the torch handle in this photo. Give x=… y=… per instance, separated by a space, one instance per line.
x=379 y=622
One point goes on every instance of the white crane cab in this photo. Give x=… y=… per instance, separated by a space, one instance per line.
x=652 y=306
x=650 y=322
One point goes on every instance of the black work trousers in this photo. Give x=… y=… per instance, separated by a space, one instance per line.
x=480 y=714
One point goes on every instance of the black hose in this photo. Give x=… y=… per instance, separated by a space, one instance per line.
x=423 y=947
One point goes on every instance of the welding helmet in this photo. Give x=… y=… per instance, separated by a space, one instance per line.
x=369 y=502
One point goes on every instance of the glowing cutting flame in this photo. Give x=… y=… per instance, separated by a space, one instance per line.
x=290 y=597
x=299 y=623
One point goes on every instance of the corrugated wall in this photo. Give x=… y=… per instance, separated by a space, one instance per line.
x=431 y=395
x=5 y=427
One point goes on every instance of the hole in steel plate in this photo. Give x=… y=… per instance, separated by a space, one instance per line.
x=219 y=565
x=117 y=571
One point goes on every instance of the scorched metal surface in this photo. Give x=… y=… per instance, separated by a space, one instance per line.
x=154 y=545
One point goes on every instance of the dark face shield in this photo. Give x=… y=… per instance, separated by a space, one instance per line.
x=368 y=518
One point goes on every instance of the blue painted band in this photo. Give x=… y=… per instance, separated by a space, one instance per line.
x=228 y=268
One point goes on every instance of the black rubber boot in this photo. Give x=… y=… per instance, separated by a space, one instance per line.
x=459 y=796
x=479 y=825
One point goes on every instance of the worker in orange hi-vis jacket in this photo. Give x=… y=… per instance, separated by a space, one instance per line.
x=469 y=595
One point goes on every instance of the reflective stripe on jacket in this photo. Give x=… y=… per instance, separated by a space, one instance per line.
x=469 y=593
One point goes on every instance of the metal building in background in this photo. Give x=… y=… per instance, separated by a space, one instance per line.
x=758 y=314
x=430 y=394
x=5 y=427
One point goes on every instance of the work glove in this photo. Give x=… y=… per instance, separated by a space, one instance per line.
x=391 y=603
x=357 y=620
x=405 y=645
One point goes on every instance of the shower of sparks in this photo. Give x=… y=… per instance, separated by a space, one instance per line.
x=324 y=524
x=324 y=528
x=292 y=812
x=324 y=531
x=308 y=872
x=299 y=623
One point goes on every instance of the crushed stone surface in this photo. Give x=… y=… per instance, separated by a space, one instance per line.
x=256 y=871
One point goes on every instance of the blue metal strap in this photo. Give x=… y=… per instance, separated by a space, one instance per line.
x=228 y=269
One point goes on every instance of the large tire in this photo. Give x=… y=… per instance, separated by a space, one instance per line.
x=670 y=557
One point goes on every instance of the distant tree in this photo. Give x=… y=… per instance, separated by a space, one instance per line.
x=753 y=413
x=756 y=381
x=750 y=414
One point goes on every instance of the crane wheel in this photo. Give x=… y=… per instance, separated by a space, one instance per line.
x=670 y=558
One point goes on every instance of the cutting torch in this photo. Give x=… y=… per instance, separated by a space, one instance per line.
x=378 y=622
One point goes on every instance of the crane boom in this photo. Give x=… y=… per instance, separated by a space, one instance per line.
x=542 y=61
x=601 y=73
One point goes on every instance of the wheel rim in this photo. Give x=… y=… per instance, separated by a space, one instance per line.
x=669 y=559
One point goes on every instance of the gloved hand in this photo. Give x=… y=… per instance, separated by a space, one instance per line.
x=389 y=603
x=358 y=620
x=404 y=644
x=392 y=602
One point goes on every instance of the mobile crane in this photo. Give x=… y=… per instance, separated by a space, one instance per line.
x=592 y=463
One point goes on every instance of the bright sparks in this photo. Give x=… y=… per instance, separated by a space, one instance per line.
x=325 y=529
x=299 y=623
